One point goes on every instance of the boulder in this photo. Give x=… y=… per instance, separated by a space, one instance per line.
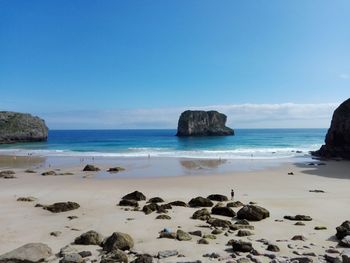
x=136 y=195
x=216 y=222
x=343 y=230
x=253 y=213
x=223 y=211
x=218 y=197
x=345 y=241
x=337 y=142
x=273 y=248
x=147 y=209
x=182 y=235
x=346 y=256
x=91 y=168
x=200 y=202
x=89 y=238
x=178 y=203
x=61 y=207
x=241 y=246
x=66 y=250
x=21 y=127
x=117 y=241
x=115 y=169
x=202 y=214
x=155 y=200
x=202 y=123
x=298 y=218
x=29 y=253
x=116 y=256
x=126 y=202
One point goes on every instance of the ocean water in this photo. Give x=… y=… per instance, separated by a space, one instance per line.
x=246 y=144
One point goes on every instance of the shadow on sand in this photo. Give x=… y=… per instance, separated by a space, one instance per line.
x=330 y=169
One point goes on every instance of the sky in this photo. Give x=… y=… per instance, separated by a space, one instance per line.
x=138 y=64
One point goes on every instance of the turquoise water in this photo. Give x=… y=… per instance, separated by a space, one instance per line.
x=247 y=143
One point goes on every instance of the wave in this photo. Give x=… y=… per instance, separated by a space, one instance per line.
x=239 y=153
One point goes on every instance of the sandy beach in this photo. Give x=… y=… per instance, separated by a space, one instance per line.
x=270 y=187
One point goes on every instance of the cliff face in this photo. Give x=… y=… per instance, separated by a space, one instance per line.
x=203 y=123
x=21 y=127
x=338 y=136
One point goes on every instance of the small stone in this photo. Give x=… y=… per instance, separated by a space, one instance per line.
x=209 y=236
x=72 y=217
x=166 y=217
x=320 y=228
x=299 y=224
x=26 y=199
x=298 y=218
x=203 y=241
x=116 y=169
x=49 y=173
x=217 y=231
x=167 y=253
x=299 y=238
x=55 y=233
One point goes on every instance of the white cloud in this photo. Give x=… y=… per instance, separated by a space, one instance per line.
x=285 y=115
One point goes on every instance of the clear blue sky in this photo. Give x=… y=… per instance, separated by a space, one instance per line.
x=77 y=56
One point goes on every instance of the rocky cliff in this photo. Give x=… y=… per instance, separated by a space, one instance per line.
x=21 y=127
x=338 y=136
x=203 y=123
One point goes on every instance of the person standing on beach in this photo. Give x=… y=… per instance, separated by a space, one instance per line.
x=232 y=194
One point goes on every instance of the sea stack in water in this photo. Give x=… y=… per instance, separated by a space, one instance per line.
x=21 y=127
x=203 y=123
x=338 y=136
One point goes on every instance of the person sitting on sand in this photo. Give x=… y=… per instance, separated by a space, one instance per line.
x=232 y=194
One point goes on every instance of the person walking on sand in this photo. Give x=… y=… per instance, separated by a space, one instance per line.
x=232 y=194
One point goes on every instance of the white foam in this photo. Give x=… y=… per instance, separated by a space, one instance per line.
x=240 y=153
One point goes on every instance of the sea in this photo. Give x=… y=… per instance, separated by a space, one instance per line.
x=245 y=144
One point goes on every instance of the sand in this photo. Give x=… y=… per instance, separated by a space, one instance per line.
x=270 y=187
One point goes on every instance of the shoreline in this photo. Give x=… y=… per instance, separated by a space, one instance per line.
x=271 y=187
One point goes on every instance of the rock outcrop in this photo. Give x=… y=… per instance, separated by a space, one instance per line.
x=338 y=135
x=29 y=253
x=21 y=127
x=202 y=123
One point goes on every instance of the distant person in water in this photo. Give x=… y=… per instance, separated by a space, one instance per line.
x=232 y=194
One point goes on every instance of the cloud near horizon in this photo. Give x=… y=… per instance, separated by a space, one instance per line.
x=284 y=115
